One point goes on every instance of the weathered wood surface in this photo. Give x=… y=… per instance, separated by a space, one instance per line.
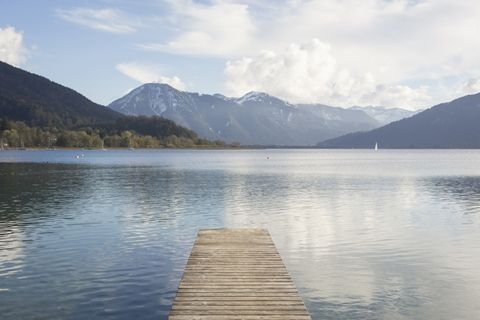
x=236 y=274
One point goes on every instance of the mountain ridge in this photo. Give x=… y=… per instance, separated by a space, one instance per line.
x=386 y=115
x=38 y=101
x=447 y=125
x=256 y=118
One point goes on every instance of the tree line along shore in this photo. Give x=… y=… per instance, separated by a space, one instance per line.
x=18 y=135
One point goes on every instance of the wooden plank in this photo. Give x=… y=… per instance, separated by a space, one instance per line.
x=236 y=274
x=243 y=317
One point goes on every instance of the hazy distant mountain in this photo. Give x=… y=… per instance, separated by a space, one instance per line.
x=455 y=124
x=386 y=115
x=339 y=118
x=256 y=118
x=36 y=100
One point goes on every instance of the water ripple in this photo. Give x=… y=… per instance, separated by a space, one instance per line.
x=388 y=235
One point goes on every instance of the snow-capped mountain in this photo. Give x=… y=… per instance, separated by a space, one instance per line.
x=386 y=115
x=255 y=96
x=254 y=119
x=152 y=99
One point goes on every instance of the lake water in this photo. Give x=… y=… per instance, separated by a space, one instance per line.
x=364 y=234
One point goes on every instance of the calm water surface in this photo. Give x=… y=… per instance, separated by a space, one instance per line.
x=365 y=235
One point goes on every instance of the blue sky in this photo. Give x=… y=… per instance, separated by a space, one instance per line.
x=375 y=52
x=85 y=59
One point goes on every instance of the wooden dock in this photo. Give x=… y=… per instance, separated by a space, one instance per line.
x=236 y=274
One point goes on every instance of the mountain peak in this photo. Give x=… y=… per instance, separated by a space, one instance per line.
x=263 y=98
x=253 y=96
x=164 y=86
x=223 y=97
x=152 y=87
x=151 y=99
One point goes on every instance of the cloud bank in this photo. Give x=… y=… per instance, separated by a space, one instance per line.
x=383 y=49
x=471 y=86
x=12 y=49
x=408 y=53
x=309 y=73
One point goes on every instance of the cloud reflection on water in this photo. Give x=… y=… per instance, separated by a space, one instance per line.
x=369 y=245
x=391 y=235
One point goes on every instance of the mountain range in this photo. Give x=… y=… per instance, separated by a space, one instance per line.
x=455 y=124
x=253 y=119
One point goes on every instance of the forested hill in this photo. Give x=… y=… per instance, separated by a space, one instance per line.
x=37 y=101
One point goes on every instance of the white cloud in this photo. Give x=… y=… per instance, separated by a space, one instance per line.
x=218 y=29
x=147 y=73
x=107 y=20
x=399 y=41
x=310 y=73
x=12 y=49
x=410 y=51
x=397 y=96
x=471 y=86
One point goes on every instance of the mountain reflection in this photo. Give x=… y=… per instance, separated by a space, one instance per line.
x=31 y=194
x=35 y=192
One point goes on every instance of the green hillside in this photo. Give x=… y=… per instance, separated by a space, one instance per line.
x=37 y=112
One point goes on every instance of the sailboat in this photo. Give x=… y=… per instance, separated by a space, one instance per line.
x=22 y=145
x=376 y=146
